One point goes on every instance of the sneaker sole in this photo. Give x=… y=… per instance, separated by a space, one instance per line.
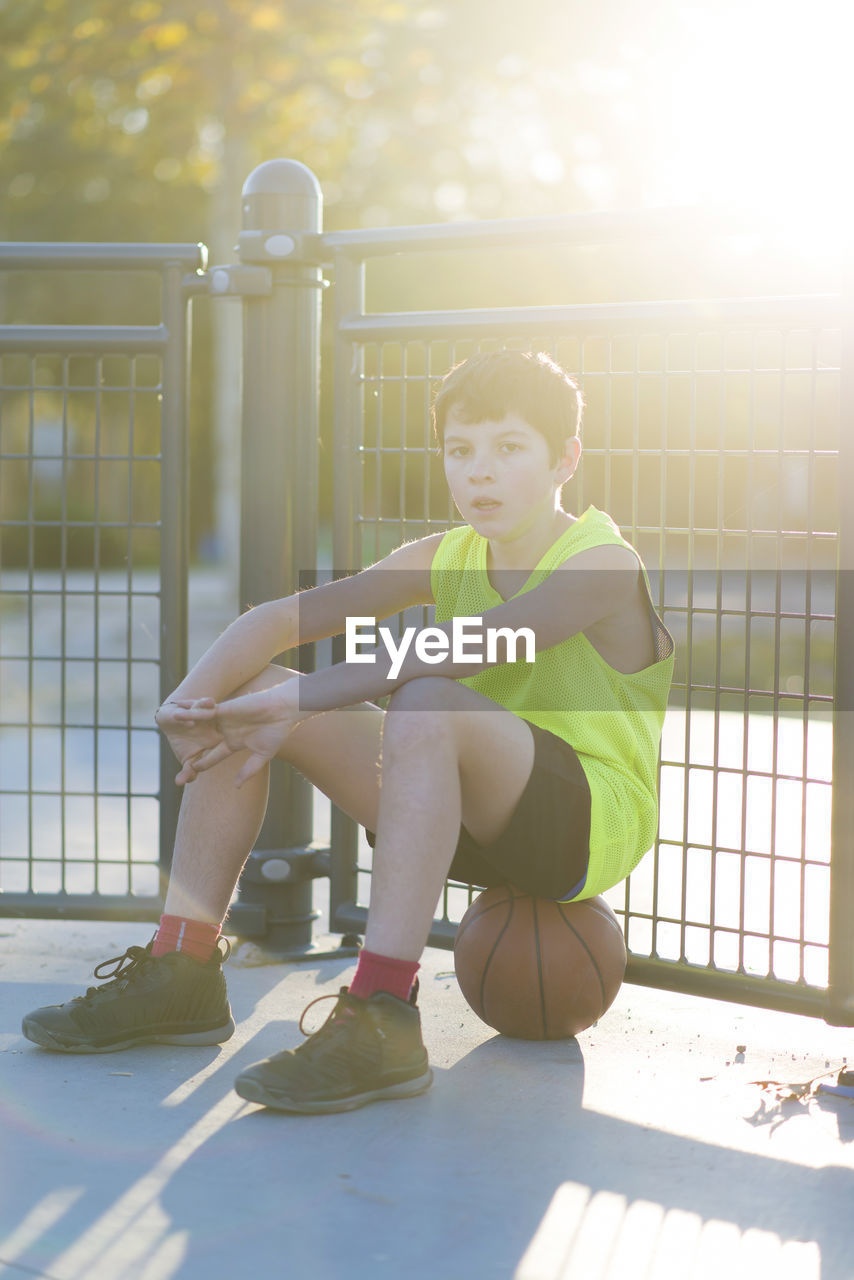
x=46 y=1040
x=254 y=1091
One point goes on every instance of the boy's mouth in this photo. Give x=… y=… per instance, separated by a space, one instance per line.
x=485 y=504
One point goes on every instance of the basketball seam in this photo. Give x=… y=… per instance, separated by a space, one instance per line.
x=605 y=915
x=539 y=968
x=591 y=957
x=464 y=925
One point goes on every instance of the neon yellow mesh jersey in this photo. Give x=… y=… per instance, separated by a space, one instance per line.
x=613 y=720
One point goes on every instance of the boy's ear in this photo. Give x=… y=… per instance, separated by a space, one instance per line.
x=568 y=462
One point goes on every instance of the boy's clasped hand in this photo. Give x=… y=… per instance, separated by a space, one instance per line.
x=203 y=732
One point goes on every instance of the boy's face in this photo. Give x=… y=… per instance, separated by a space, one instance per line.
x=501 y=475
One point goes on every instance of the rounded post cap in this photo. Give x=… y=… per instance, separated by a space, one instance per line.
x=282 y=178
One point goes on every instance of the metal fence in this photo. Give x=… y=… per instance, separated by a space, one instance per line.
x=712 y=436
x=93 y=594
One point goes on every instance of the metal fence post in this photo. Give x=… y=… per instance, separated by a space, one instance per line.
x=840 y=1010
x=281 y=376
x=175 y=534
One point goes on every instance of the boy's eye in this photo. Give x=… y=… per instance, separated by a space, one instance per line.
x=459 y=450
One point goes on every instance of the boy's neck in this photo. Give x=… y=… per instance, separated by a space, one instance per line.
x=527 y=548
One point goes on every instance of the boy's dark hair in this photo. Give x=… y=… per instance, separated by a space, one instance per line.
x=488 y=387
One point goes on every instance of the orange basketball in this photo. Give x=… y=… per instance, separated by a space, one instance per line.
x=539 y=969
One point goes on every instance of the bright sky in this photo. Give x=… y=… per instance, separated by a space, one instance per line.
x=753 y=113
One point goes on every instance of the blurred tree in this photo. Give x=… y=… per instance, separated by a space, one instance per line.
x=119 y=116
x=140 y=122
x=125 y=111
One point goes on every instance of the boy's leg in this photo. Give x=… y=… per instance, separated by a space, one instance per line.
x=179 y=997
x=429 y=751
x=219 y=823
x=448 y=755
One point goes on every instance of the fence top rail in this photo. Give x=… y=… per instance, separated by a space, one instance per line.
x=809 y=311
x=93 y=340
x=48 y=255
x=581 y=229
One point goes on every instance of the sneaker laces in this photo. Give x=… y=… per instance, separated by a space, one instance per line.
x=129 y=966
x=347 y=1008
x=345 y=999
x=126 y=968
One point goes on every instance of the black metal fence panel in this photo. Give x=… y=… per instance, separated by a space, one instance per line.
x=93 y=581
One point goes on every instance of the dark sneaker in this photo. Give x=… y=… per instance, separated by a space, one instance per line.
x=366 y=1050
x=170 y=999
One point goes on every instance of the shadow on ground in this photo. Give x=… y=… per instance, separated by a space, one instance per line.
x=192 y=1182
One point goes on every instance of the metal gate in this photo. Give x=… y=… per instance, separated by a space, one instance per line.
x=94 y=542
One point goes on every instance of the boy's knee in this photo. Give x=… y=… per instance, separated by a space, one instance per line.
x=432 y=728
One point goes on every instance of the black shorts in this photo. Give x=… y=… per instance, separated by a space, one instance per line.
x=545 y=847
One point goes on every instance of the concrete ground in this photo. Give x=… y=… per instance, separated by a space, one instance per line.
x=643 y=1150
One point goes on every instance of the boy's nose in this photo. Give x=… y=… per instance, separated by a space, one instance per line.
x=480 y=469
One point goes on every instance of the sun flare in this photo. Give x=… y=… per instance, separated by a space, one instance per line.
x=757 y=122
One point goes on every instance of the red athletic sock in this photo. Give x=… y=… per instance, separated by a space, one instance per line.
x=382 y=973
x=194 y=937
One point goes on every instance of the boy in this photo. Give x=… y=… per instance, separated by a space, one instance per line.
x=537 y=772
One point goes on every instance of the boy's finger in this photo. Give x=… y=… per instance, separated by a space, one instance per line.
x=189 y=715
x=187 y=774
x=211 y=756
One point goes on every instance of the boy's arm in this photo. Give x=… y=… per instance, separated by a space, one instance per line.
x=252 y=641
x=396 y=582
